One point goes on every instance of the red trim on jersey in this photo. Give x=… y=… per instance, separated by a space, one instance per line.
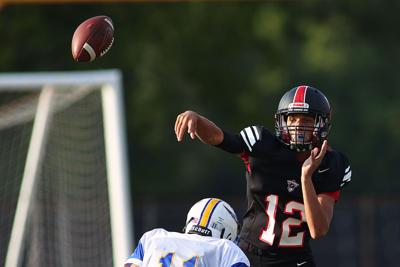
x=245 y=157
x=300 y=95
x=335 y=195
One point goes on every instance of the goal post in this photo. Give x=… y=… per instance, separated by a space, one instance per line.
x=63 y=160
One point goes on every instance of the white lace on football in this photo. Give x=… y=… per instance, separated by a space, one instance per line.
x=108 y=47
x=109 y=22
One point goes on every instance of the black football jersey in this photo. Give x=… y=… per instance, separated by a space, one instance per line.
x=275 y=219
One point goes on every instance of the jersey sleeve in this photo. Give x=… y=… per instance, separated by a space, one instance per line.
x=334 y=176
x=137 y=256
x=252 y=140
x=140 y=250
x=240 y=264
x=232 y=143
x=346 y=174
x=234 y=256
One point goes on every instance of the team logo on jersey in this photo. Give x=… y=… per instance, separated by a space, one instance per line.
x=291 y=185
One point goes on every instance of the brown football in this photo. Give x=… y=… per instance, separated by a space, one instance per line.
x=93 y=38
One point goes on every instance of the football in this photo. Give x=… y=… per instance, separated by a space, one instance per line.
x=93 y=38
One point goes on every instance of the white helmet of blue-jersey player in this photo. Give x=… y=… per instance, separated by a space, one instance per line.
x=212 y=217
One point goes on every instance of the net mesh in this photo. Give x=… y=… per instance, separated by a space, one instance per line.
x=69 y=223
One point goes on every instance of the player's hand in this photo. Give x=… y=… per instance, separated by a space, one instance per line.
x=186 y=122
x=314 y=160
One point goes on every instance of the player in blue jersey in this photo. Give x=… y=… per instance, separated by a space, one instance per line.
x=207 y=241
x=293 y=178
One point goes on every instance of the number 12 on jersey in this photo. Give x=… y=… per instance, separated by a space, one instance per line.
x=286 y=240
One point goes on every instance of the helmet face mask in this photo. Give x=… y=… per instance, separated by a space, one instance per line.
x=212 y=217
x=300 y=102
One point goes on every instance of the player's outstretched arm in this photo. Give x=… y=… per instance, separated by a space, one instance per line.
x=197 y=126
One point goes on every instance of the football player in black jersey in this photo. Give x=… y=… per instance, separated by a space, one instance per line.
x=293 y=178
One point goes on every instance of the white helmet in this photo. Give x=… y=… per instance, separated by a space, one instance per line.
x=212 y=217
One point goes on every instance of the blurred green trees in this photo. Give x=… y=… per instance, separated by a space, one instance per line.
x=231 y=62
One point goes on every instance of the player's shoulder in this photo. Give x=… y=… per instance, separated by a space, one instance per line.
x=258 y=132
x=338 y=165
x=337 y=160
x=157 y=232
x=257 y=137
x=337 y=155
x=232 y=246
x=222 y=244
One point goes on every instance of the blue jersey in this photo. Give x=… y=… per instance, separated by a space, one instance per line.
x=170 y=249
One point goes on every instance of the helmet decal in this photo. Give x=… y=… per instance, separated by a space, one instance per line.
x=208 y=211
x=231 y=213
x=299 y=99
x=300 y=95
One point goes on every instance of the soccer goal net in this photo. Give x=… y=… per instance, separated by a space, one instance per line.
x=64 y=190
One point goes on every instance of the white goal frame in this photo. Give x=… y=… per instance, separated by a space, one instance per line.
x=110 y=82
